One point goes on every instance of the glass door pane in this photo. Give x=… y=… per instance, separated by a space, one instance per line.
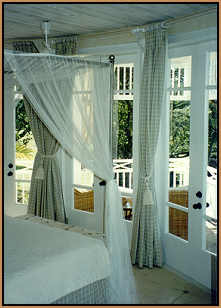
x=211 y=183
x=83 y=188
x=25 y=153
x=179 y=142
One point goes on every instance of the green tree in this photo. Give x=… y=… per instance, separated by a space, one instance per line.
x=23 y=133
x=179 y=129
x=212 y=135
x=125 y=135
x=23 y=151
x=23 y=129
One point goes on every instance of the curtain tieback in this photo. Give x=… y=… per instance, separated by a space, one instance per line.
x=40 y=171
x=147 y=195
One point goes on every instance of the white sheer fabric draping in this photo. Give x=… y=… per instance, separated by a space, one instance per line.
x=72 y=98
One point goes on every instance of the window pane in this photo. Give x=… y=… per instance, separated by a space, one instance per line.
x=84 y=199
x=179 y=161
x=83 y=188
x=121 y=78
x=125 y=133
x=178 y=223
x=212 y=78
x=25 y=144
x=25 y=153
x=127 y=203
x=123 y=81
x=22 y=192
x=211 y=197
x=127 y=78
x=82 y=175
x=181 y=72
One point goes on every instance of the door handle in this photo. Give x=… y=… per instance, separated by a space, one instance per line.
x=199 y=194
x=197 y=206
x=207 y=204
x=10 y=173
x=10 y=165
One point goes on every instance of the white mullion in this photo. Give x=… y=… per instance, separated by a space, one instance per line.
x=198 y=127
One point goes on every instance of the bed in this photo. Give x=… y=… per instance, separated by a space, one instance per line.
x=45 y=265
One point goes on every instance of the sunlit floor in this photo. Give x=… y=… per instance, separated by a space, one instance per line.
x=160 y=286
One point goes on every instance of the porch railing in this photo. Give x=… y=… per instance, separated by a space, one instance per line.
x=123 y=170
x=178 y=168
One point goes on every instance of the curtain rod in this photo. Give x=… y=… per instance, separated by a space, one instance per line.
x=68 y=58
x=172 y=21
x=39 y=38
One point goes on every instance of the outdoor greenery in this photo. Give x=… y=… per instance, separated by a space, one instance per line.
x=213 y=134
x=23 y=129
x=23 y=133
x=125 y=135
x=179 y=130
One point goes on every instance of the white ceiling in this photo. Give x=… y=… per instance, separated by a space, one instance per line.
x=24 y=20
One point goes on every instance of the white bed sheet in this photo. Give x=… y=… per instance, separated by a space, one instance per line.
x=42 y=264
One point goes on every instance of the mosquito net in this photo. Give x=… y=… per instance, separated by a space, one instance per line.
x=72 y=98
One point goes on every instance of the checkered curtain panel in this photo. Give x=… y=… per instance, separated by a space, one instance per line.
x=46 y=196
x=146 y=245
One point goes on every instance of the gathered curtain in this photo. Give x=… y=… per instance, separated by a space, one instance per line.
x=65 y=46
x=45 y=196
x=61 y=46
x=25 y=46
x=146 y=246
x=72 y=98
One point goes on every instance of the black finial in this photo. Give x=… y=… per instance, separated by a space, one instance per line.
x=112 y=58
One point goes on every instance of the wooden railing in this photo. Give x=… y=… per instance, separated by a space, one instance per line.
x=123 y=170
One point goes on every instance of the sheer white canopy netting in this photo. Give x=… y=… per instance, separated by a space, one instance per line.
x=72 y=98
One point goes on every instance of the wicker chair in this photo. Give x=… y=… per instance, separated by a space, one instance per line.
x=84 y=201
x=178 y=220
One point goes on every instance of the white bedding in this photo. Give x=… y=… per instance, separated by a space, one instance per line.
x=42 y=264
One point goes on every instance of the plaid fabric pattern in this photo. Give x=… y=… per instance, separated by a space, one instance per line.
x=146 y=246
x=25 y=46
x=93 y=294
x=46 y=197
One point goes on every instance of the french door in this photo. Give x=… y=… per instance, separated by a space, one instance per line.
x=191 y=215
x=11 y=205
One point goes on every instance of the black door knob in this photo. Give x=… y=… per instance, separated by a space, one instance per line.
x=197 y=206
x=207 y=204
x=10 y=173
x=10 y=165
x=199 y=194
